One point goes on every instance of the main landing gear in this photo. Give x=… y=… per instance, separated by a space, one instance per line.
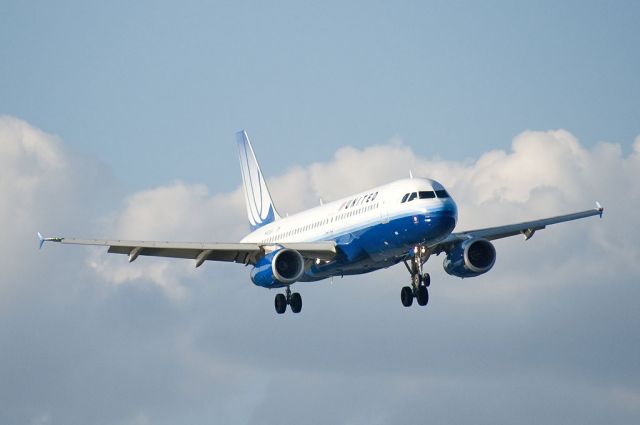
x=419 y=281
x=294 y=300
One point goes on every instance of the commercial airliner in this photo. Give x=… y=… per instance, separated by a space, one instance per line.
x=406 y=221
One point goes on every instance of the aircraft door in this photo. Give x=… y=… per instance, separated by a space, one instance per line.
x=384 y=214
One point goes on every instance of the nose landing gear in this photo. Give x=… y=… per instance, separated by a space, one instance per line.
x=282 y=300
x=419 y=281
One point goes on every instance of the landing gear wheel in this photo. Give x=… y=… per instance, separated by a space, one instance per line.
x=296 y=302
x=281 y=303
x=420 y=281
x=422 y=295
x=406 y=296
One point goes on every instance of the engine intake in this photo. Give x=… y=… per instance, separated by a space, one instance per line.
x=279 y=268
x=470 y=258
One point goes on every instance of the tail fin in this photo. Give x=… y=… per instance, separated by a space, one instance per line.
x=260 y=208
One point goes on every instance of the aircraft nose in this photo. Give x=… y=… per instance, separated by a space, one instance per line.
x=450 y=209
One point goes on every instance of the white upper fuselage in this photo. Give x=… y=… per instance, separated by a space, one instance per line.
x=373 y=207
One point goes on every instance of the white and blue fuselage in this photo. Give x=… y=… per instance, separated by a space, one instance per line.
x=372 y=229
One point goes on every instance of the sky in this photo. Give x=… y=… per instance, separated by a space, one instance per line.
x=117 y=120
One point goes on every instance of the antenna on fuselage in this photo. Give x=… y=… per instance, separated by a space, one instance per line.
x=410 y=174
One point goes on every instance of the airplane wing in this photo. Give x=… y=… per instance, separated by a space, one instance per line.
x=245 y=253
x=527 y=229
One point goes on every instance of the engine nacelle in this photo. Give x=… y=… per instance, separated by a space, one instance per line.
x=278 y=268
x=470 y=258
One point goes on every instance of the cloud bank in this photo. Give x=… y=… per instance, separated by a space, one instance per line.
x=548 y=335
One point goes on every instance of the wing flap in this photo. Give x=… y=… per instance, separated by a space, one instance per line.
x=245 y=253
x=314 y=250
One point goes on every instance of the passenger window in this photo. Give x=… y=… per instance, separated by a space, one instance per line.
x=413 y=196
x=427 y=194
x=404 y=198
x=442 y=194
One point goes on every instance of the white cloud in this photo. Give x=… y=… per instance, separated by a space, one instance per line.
x=43 y=187
x=32 y=164
x=177 y=212
x=551 y=329
x=545 y=173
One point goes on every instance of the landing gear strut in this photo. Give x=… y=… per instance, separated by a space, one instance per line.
x=419 y=281
x=294 y=300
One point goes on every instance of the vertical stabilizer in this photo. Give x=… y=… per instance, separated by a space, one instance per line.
x=260 y=208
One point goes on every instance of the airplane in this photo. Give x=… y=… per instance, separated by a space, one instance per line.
x=407 y=221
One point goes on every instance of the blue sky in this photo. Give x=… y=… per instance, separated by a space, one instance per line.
x=157 y=89
x=117 y=120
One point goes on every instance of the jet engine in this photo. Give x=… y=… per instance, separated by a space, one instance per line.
x=470 y=258
x=278 y=268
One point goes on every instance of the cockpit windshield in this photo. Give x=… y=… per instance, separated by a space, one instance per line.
x=428 y=194
x=423 y=194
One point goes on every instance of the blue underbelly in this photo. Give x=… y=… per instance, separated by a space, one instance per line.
x=381 y=245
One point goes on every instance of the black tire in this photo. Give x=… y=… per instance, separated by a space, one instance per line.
x=406 y=296
x=296 y=302
x=280 y=303
x=426 y=279
x=422 y=295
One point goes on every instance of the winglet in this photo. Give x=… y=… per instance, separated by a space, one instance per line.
x=42 y=240
x=599 y=208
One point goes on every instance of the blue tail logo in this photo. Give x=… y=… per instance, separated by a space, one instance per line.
x=260 y=208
